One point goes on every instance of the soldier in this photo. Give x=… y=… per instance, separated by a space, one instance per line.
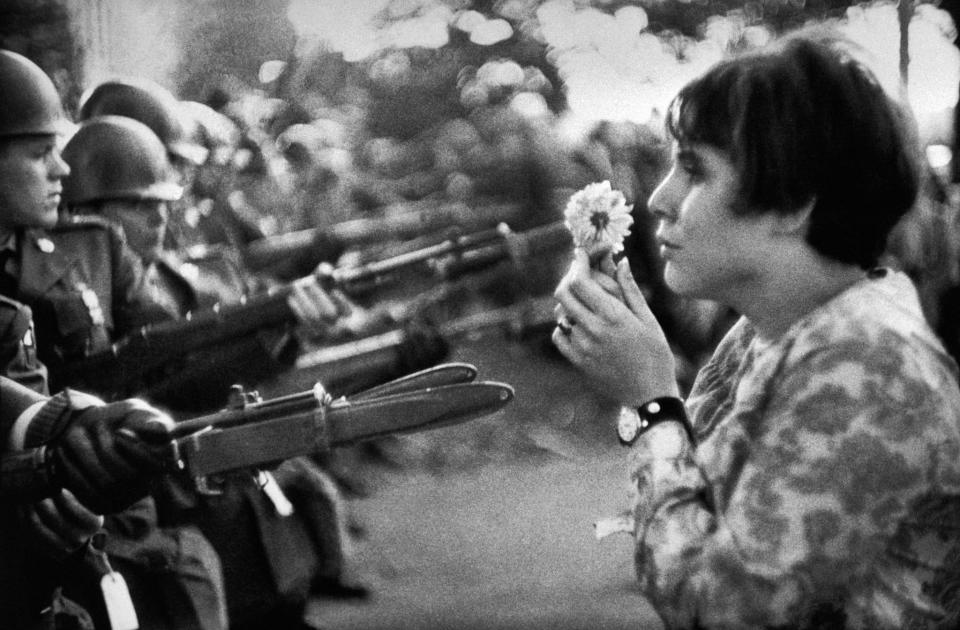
x=191 y=223
x=81 y=282
x=120 y=172
x=271 y=554
x=47 y=517
x=42 y=525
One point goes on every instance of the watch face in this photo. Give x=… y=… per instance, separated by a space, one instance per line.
x=628 y=425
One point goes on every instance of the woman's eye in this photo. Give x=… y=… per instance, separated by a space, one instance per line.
x=691 y=169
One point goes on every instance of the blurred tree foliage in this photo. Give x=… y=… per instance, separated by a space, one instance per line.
x=42 y=31
x=226 y=41
x=427 y=95
x=688 y=17
x=430 y=91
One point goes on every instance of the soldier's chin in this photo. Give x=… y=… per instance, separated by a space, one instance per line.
x=48 y=218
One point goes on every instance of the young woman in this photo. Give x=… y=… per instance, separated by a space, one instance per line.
x=812 y=476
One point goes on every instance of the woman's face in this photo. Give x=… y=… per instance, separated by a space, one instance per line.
x=709 y=252
x=143 y=222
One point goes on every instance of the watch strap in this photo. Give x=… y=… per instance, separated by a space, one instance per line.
x=635 y=422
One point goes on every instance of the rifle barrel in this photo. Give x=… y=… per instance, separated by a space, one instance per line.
x=531 y=313
x=518 y=246
x=456 y=244
x=402 y=222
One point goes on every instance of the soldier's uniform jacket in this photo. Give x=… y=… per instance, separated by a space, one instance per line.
x=85 y=287
x=18 y=346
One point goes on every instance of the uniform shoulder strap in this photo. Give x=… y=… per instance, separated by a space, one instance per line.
x=14 y=318
x=73 y=222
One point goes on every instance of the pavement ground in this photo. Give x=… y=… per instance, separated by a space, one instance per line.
x=489 y=524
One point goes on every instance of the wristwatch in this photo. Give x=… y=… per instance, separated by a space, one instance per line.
x=632 y=423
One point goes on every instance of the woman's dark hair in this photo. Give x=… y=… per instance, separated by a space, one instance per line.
x=803 y=121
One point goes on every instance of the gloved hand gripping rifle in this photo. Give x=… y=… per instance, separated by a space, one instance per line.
x=252 y=433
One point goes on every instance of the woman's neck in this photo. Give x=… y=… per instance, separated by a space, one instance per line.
x=785 y=293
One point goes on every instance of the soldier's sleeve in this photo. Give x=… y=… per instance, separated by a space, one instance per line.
x=15 y=399
x=18 y=347
x=793 y=517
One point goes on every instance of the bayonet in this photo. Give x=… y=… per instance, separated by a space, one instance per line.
x=253 y=432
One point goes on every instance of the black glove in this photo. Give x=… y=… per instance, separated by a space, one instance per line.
x=107 y=455
x=423 y=346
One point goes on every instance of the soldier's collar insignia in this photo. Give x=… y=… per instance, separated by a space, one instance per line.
x=45 y=245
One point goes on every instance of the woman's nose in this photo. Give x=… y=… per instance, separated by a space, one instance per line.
x=664 y=200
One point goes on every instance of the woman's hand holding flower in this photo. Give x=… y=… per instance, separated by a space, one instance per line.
x=616 y=343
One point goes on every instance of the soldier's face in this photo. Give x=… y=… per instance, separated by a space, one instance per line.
x=144 y=223
x=31 y=172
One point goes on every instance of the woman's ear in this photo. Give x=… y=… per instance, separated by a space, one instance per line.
x=795 y=221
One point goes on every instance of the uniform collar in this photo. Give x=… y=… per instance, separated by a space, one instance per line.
x=8 y=241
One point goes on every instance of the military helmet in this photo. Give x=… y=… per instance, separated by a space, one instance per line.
x=30 y=104
x=152 y=105
x=114 y=157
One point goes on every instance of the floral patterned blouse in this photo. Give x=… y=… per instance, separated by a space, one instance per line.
x=825 y=488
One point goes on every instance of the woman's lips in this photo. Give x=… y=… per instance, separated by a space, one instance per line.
x=667 y=248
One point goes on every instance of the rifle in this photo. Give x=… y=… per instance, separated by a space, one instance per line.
x=252 y=432
x=398 y=222
x=124 y=366
x=360 y=360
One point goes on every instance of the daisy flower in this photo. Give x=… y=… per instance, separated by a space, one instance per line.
x=599 y=219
